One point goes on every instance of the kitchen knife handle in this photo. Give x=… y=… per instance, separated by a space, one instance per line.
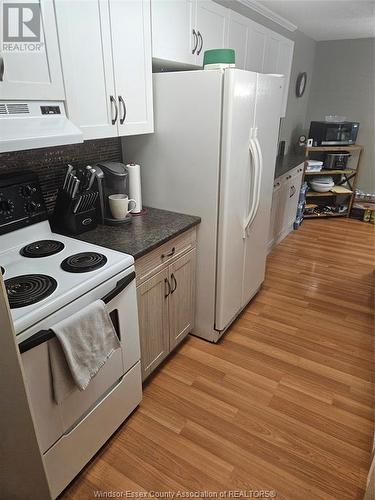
x=113 y=101
x=195 y=42
x=122 y=102
x=2 y=68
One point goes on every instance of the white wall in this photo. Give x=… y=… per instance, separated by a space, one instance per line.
x=343 y=84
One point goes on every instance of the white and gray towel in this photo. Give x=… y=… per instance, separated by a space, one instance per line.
x=85 y=341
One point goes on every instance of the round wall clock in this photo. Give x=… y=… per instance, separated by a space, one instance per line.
x=301 y=84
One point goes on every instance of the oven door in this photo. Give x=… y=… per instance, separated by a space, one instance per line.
x=338 y=133
x=52 y=420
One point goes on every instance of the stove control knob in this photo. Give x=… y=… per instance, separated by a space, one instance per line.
x=31 y=207
x=6 y=207
x=27 y=190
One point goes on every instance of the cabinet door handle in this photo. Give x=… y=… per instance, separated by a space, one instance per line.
x=174 y=281
x=195 y=42
x=122 y=103
x=201 y=45
x=292 y=191
x=163 y=255
x=2 y=67
x=167 y=288
x=113 y=101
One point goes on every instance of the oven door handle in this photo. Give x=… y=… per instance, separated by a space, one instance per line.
x=44 y=335
x=120 y=286
x=35 y=340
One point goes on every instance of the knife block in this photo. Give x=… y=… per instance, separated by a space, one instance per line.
x=65 y=220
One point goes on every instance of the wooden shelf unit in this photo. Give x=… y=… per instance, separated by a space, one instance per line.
x=316 y=194
x=348 y=175
x=334 y=149
x=321 y=216
x=347 y=171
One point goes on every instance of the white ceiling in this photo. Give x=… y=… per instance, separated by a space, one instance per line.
x=328 y=19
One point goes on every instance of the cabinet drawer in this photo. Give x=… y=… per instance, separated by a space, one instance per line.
x=153 y=262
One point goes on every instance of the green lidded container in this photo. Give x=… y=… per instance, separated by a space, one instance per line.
x=219 y=58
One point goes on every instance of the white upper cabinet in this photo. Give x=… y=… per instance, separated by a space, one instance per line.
x=278 y=59
x=238 y=37
x=260 y=49
x=284 y=67
x=32 y=74
x=132 y=59
x=248 y=39
x=212 y=25
x=85 y=44
x=256 y=46
x=183 y=29
x=173 y=22
x=106 y=58
x=271 y=54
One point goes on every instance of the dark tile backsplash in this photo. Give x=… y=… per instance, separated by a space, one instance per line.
x=50 y=163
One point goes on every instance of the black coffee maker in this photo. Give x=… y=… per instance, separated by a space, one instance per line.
x=111 y=178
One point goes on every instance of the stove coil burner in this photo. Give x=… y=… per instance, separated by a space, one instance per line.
x=83 y=262
x=42 y=248
x=28 y=289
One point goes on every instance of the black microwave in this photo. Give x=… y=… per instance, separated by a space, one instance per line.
x=333 y=133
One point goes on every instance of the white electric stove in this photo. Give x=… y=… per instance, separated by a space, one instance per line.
x=49 y=277
x=45 y=271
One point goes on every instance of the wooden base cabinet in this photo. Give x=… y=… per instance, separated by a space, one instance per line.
x=166 y=300
x=286 y=189
x=153 y=321
x=182 y=298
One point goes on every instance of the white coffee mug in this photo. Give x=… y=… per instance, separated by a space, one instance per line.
x=119 y=205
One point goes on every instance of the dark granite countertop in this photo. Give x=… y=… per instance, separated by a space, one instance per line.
x=288 y=162
x=143 y=234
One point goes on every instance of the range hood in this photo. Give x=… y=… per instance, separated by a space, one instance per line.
x=35 y=124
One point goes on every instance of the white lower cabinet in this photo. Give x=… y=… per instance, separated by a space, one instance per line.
x=166 y=298
x=285 y=197
x=105 y=48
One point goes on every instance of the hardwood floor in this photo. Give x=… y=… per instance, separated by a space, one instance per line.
x=284 y=402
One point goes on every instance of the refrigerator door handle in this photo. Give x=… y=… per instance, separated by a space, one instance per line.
x=254 y=162
x=259 y=180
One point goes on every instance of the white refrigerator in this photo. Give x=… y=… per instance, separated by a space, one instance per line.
x=213 y=154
